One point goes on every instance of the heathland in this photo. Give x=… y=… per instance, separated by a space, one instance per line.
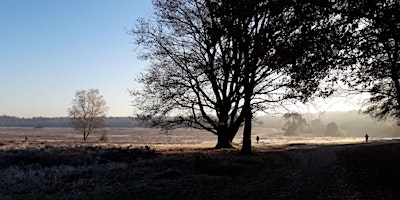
x=141 y=163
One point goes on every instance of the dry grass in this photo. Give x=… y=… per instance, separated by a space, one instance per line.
x=57 y=164
x=94 y=172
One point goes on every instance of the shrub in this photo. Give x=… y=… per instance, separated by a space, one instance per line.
x=103 y=137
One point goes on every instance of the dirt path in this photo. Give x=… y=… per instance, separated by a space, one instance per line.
x=318 y=174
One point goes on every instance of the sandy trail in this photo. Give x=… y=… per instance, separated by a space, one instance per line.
x=318 y=175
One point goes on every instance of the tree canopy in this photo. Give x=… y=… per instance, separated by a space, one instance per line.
x=294 y=124
x=373 y=54
x=215 y=63
x=192 y=79
x=284 y=49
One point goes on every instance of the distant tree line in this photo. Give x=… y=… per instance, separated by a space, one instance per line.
x=62 y=122
x=343 y=123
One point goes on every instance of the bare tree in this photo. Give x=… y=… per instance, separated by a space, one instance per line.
x=88 y=111
x=193 y=80
x=283 y=49
x=215 y=63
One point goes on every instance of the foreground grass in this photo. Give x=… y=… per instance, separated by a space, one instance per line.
x=373 y=172
x=51 y=171
x=121 y=173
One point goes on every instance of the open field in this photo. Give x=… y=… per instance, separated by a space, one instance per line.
x=180 y=138
x=57 y=164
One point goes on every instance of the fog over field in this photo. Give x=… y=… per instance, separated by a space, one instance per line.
x=352 y=123
x=268 y=128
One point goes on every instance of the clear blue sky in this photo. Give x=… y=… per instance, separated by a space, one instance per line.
x=50 y=49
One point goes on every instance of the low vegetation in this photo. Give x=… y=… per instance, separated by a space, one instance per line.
x=79 y=172
x=373 y=171
x=129 y=166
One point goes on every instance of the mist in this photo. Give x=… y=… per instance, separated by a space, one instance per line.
x=351 y=123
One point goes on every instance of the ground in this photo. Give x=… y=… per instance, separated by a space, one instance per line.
x=64 y=167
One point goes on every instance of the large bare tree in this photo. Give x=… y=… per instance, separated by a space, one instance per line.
x=88 y=111
x=193 y=79
x=215 y=63
x=284 y=47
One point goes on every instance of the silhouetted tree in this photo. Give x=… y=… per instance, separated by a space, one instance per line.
x=373 y=54
x=294 y=124
x=88 y=111
x=332 y=129
x=283 y=49
x=193 y=79
x=216 y=63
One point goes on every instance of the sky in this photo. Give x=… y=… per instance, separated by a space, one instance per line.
x=50 y=49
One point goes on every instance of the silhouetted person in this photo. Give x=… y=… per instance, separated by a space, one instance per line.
x=258 y=139
x=366 y=138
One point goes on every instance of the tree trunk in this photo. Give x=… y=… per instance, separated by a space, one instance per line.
x=248 y=114
x=84 y=134
x=223 y=137
x=223 y=142
x=246 y=147
x=234 y=127
x=395 y=77
x=232 y=132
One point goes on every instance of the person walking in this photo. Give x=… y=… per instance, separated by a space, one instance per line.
x=258 y=139
x=366 y=137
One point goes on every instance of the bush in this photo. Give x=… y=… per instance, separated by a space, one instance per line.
x=103 y=137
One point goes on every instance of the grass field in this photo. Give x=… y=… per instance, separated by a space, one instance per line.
x=146 y=164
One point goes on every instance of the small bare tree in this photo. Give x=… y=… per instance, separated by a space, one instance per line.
x=88 y=111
